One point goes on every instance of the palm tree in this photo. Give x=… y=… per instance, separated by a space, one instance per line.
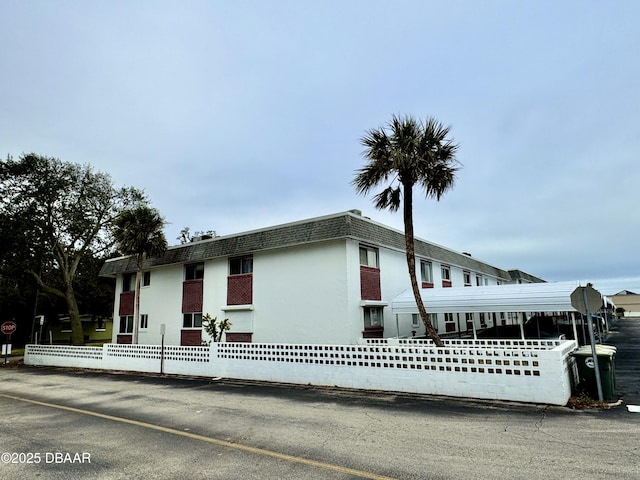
x=404 y=154
x=138 y=231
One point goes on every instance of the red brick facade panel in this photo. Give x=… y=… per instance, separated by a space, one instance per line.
x=125 y=339
x=370 y=283
x=192 y=296
x=190 y=337
x=427 y=285
x=446 y=283
x=450 y=327
x=240 y=289
x=373 y=332
x=127 y=300
x=238 y=337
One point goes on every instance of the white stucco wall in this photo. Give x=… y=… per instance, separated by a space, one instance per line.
x=300 y=294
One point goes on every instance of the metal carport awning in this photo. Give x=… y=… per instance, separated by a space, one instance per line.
x=526 y=297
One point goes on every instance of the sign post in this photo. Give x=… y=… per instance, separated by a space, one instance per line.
x=8 y=328
x=587 y=300
x=163 y=330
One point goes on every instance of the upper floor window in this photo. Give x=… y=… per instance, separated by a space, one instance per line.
x=426 y=270
x=467 y=278
x=146 y=279
x=241 y=265
x=446 y=272
x=194 y=271
x=369 y=257
x=127 y=282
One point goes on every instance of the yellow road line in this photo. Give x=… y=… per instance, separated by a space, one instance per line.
x=215 y=441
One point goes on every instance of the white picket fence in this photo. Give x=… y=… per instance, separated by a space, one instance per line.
x=533 y=371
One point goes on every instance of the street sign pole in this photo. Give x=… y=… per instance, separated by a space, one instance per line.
x=596 y=365
x=6 y=347
x=585 y=300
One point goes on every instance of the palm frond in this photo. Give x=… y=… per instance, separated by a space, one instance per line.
x=389 y=198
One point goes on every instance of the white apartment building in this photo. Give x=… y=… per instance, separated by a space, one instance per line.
x=324 y=280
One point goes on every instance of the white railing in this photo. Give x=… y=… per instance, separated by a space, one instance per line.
x=539 y=372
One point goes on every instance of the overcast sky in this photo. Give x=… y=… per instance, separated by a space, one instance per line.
x=236 y=115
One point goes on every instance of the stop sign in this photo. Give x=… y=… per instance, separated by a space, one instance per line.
x=8 y=328
x=593 y=299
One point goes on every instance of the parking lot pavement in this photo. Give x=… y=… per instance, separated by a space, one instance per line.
x=144 y=426
x=625 y=336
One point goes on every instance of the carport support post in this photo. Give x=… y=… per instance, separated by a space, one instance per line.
x=596 y=366
x=575 y=329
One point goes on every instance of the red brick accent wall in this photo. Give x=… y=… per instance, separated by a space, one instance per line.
x=427 y=285
x=240 y=289
x=190 y=337
x=446 y=283
x=373 y=332
x=370 y=283
x=126 y=339
x=238 y=337
x=127 y=299
x=192 y=296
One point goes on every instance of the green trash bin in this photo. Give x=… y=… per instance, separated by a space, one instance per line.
x=587 y=373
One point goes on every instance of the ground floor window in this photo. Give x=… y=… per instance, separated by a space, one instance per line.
x=469 y=319
x=417 y=320
x=126 y=324
x=373 y=317
x=192 y=320
x=449 y=322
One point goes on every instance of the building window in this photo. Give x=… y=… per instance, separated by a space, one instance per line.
x=416 y=320
x=127 y=282
x=373 y=317
x=445 y=271
x=144 y=321
x=241 y=265
x=469 y=319
x=194 y=271
x=369 y=257
x=449 y=322
x=483 y=320
x=467 y=278
x=146 y=279
x=192 y=320
x=426 y=271
x=126 y=324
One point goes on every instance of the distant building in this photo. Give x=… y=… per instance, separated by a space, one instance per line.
x=630 y=301
x=95 y=330
x=324 y=280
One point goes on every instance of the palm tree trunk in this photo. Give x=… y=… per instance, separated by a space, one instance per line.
x=411 y=263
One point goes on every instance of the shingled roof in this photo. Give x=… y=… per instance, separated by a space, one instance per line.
x=350 y=224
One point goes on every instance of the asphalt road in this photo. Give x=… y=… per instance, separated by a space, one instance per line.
x=106 y=425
